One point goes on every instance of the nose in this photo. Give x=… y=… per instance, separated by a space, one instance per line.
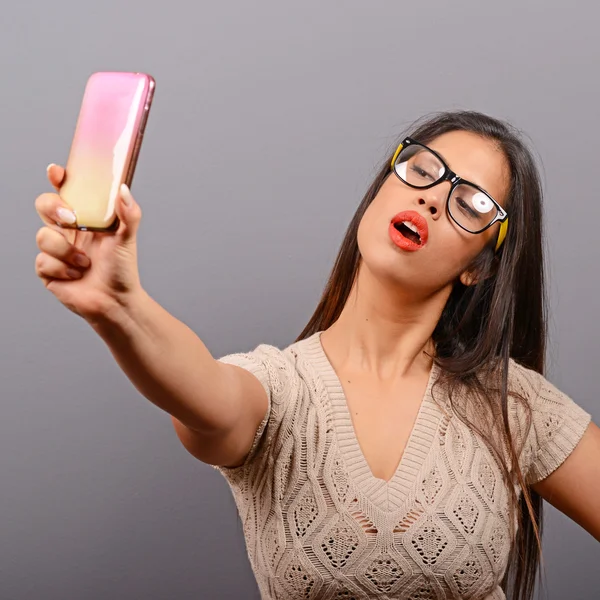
x=434 y=198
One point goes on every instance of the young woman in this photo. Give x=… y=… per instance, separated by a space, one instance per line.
x=402 y=445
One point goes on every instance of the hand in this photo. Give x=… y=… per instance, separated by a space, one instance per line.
x=91 y=273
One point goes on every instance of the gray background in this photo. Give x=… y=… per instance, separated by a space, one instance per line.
x=268 y=121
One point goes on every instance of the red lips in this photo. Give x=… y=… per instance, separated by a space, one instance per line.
x=401 y=240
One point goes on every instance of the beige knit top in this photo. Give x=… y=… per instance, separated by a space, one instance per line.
x=318 y=524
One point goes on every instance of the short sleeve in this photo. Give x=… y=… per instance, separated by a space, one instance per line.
x=557 y=425
x=274 y=370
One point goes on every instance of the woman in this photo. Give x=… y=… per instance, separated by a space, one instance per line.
x=401 y=447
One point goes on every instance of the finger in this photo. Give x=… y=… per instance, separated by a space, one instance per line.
x=129 y=214
x=53 y=210
x=49 y=268
x=54 y=244
x=56 y=175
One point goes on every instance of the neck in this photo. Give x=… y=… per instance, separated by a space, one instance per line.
x=383 y=330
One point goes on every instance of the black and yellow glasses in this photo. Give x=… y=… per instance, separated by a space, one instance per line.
x=468 y=205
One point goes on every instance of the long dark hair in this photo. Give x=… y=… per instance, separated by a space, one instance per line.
x=483 y=326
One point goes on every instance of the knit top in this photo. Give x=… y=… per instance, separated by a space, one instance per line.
x=319 y=525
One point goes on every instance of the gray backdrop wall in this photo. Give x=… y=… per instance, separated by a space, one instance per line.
x=268 y=121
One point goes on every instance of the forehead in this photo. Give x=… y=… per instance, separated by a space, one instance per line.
x=476 y=159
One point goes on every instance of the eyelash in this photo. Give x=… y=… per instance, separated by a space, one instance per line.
x=421 y=172
x=466 y=208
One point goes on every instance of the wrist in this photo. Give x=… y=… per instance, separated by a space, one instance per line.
x=120 y=313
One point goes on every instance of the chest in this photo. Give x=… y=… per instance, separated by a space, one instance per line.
x=436 y=525
x=383 y=418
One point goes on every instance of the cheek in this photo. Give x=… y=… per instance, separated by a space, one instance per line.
x=362 y=235
x=450 y=241
x=375 y=247
x=374 y=223
x=453 y=250
x=372 y=235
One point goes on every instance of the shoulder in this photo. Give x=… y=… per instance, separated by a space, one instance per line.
x=539 y=392
x=278 y=369
x=526 y=381
x=287 y=377
x=551 y=422
x=533 y=393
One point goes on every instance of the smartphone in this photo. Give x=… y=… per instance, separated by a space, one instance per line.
x=105 y=147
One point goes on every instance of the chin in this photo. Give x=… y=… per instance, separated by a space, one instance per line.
x=388 y=268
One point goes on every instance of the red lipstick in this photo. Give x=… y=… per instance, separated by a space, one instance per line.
x=409 y=230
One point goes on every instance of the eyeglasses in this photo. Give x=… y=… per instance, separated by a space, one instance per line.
x=469 y=205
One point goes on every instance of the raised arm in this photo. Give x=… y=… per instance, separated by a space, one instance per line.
x=216 y=408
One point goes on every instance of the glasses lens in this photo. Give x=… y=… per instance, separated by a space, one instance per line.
x=418 y=166
x=471 y=208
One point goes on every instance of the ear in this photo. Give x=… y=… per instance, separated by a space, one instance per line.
x=468 y=278
x=472 y=275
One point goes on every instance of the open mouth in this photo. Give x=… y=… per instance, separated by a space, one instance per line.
x=408 y=230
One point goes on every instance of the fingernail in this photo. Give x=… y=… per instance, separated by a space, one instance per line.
x=74 y=273
x=81 y=260
x=49 y=167
x=126 y=195
x=66 y=216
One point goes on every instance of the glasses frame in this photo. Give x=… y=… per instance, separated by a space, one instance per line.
x=455 y=180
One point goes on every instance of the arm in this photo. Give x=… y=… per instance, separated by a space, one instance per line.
x=216 y=408
x=574 y=487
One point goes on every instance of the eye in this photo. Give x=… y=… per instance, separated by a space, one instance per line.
x=466 y=208
x=422 y=173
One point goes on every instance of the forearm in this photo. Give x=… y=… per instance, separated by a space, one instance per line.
x=168 y=363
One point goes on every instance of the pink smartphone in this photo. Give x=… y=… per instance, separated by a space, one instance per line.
x=105 y=146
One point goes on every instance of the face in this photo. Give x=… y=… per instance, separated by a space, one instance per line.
x=449 y=249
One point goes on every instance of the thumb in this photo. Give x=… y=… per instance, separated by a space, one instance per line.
x=129 y=213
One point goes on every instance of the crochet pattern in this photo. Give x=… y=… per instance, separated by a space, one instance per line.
x=319 y=525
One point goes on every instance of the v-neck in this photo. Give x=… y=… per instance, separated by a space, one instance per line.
x=386 y=494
